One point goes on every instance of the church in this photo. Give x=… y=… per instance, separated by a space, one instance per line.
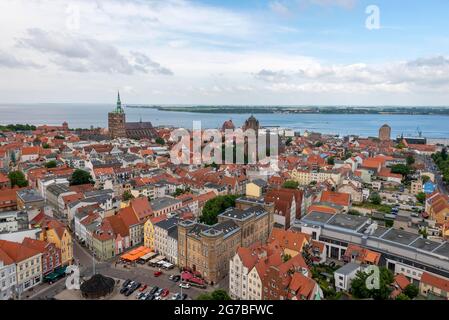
x=119 y=128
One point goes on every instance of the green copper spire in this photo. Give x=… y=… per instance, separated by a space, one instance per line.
x=119 y=109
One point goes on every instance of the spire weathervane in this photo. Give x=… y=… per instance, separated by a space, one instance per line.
x=119 y=103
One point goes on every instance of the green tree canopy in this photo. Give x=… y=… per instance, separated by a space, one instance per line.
x=51 y=164
x=375 y=198
x=402 y=296
x=411 y=291
x=401 y=169
x=410 y=160
x=127 y=195
x=331 y=161
x=421 y=197
x=160 y=141
x=215 y=206
x=290 y=184
x=80 y=177
x=219 y=294
x=17 y=178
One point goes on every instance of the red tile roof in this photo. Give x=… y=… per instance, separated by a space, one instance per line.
x=16 y=251
x=434 y=281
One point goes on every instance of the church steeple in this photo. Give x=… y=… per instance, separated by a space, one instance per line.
x=119 y=109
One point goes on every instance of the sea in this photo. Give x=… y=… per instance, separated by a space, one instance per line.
x=433 y=127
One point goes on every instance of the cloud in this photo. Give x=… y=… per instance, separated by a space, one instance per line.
x=279 y=8
x=10 y=61
x=145 y=64
x=347 y=4
x=82 y=54
x=417 y=75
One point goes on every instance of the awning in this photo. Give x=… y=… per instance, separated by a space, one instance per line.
x=135 y=254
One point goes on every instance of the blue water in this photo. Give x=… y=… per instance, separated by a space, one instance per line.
x=86 y=115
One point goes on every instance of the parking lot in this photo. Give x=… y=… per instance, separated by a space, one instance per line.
x=144 y=274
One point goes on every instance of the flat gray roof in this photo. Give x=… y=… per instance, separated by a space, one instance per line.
x=425 y=244
x=400 y=236
x=348 y=268
x=320 y=217
x=443 y=250
x=348 y=221
x=163 y=202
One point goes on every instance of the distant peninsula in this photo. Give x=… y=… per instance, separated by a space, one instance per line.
x=245 y=109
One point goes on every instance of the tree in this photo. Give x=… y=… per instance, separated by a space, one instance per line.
x=411 y=291
x=215 y=206
x=219 y=294
x=425 y=179
x=410 y=160
x=360 y=290
x=51 y=164
x=402 y=296
x=375 y=199
x=288 y=142
x=80 y=177
x=331 y=161
x=127 y=195
x=286 y=257
x=401 y=169
x=421 y=197
x=444 y=154
x=17 y=178
x=318 y=144
x=160 y=141
x=46 y=146
x=290 y=184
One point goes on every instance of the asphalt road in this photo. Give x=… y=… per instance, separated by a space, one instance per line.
x=431 y=167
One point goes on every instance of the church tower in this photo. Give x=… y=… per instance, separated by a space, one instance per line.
x=117 y=120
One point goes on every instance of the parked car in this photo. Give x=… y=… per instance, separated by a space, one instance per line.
x=165 y=292
x=184 y=285
x=176 y=296
x=127 y=287
x=183 y=296
x=175 y=278
x=157 y=273
x=154 y=290
x=133 y=288
x=125 y=284
x=159 y=292
x=150 y=297
x=141 y=295
x=142 y=288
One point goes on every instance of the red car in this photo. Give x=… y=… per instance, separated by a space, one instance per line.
x=142 y=288
x=157 y=273
x=165 y=293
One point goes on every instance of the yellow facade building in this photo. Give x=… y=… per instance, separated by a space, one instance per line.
x=55 y=232
x=148 y=231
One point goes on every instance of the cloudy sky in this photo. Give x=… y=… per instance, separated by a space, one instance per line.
x=293 y=52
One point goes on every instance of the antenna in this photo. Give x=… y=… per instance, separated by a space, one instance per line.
x=419 y=131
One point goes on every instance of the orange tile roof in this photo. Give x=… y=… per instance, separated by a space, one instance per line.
x=30 y=150
x=7 y=260
x=16 y=251
x=339 y=198
x=288 y=239
x=401 y=281
x=434 y=281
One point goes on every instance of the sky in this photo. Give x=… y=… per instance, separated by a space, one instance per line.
x=236 y=52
